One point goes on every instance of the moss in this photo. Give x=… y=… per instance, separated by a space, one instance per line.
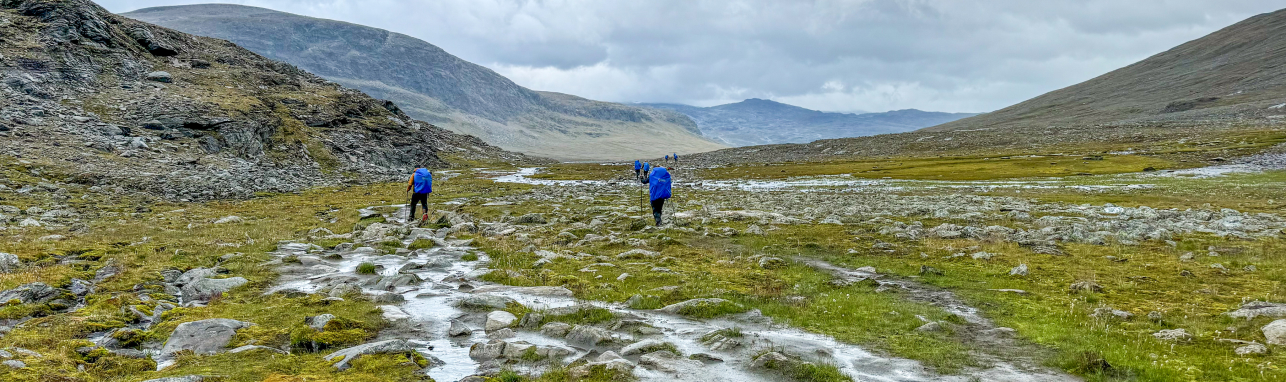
x=583 y=316
x=706 y=309
x=469 y=257
x=366 y=268
x=421 y=244
x=129 y=338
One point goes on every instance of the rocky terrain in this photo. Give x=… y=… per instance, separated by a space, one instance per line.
x=119 y=103
x=763 y=122
x=435 y=86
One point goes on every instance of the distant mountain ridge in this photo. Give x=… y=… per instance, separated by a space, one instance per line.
x=1234 y=75
x=432 y=85
x=761 y=122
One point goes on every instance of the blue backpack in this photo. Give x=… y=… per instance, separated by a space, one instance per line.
x=659 y=184
x=423 y=181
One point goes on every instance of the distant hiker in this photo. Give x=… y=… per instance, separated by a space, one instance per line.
x=667 y=157
x=421 y=184
x=658 y=189
x=637 y=167
x=646 y=167
x=676 y=157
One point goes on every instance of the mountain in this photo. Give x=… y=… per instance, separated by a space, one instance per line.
x=437 y=87
x=1237 y=74
x=760 y=122
x=113 y=102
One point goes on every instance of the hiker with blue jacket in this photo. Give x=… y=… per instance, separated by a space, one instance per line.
x=637 y=166
x=658 y=189
x=421 y=184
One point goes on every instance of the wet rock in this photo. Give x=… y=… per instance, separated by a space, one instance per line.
x=544 y=291
x=30 y=293
x=1254 y=348
x=1174 y=335
x=531 y=320
x=619 y=366
x=346 y=356
x=203 y=337
x=458 y=329
x=499 y=319
x=555 y=329
x=1275 y=332
x=1254 y=309
x=645 y=346
x=667 y=361
x=393 y=313
x=773 y=360
x=589 y=335
x=1020 y=270
x=384 y=297
x=720 y=341
x=8 y=262
x=486 y=302
x=502 y=334
x=490 y=350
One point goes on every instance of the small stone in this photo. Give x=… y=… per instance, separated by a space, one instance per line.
x=160 y=76
x=1172 y=335
x=1020 y=270
x=1086 y=286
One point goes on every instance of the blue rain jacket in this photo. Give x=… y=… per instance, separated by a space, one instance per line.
x=422 y=181
x=638 y=165
x=658 y=184
x=647 y=167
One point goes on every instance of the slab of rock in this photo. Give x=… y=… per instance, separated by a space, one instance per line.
x=204 y=337
x=645 y=346
x=1252 y=348
x=1275 y=332
x=486 y=302
x=8 y=262
x=30 y=293
x=1254 y=309
x=499 y=320
x=1175 y=335
x=342 y=358
x=205 y=289
x=589 y=335
x=458 y=328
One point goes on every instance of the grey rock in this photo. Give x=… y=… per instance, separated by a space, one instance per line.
x=678 y=308
x=1253 y=348
x=319 y=322
x=499 y=319
x=8 y=262
x=1020 y=270
x=458 y=328
x=555 y=329
x=589 y=335
x=486 y=301
x=249 y=348
x=1254 y=309
x=346 y=356
x=769 y=262
x=490 y=350
x=645 y=346
x=205 y=289
x=30 y=293
x=206 y=337
x=1275 y=332
x=14 y=364
x=1172 y=335
x=1105 y=312
x=160 y=76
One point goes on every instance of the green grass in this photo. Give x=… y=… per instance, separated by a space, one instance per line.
x=366 y=269
x=420 y=244
x=583 y=316
x=952 y=168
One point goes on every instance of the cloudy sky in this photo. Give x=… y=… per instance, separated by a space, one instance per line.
x=854 y=55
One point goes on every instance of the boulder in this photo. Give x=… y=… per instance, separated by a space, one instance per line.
x=1275 y=332
x=29 y=293
x=204 y=337
x=205 y=289
x=490 y=350
x=773 y=360
x=486 y=301
x=1251 y=348
x=1254 y=309
x=8 y=262
x=342 y=358
x=14 y=364
x=458 y=328
x=1176 y=335
x=160 y=76
x=499 y=320
x=502 y=334
x=588 y=335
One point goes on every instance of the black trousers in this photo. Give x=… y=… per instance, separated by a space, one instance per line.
x=657 y=205
x=423 y=199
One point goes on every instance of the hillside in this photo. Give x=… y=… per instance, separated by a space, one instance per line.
x=1235 y=74
x=760 y=122
x=435 y=86
x=117 y=102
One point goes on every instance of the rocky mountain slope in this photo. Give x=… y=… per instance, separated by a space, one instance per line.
x=761 y=122
x=435 y=86
x=116 y=102
x=1237 y=74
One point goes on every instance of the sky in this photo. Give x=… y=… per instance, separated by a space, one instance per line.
x=843 y=56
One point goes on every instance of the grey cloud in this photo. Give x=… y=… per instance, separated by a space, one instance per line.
x=948 y=55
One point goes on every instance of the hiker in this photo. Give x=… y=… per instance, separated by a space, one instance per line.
x=676 y=158
x=421 y=184
x=658 y=189
x=637 y=166
x=667 y=158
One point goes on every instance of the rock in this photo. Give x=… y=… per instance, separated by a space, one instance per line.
x=667 y=361
x=1275 y=332
x=927 y=270
x=502 y=334
x=981 y=256
x=638 y=253
x=1254 y=309
x=80 y=288
x=348 y=355
x=393 y=313
x=1086 y=286
x=1105 y=312
x=30 y=293
x=555 y=329
x=930 y=327
x=8 y=262
x=205 y=289
x=160 y=76
x=483 y=352
x=1252 y=348
x=772 y=263
x=458 y=328
x=533 y=218
x=499 y=319
x=1020 y=270
x=14 y=364
x=1154 y=316
x=111 y=269
x=230 y=220
x=203 y=337
x=773 y=360
x=486 y=301
x=588 y=335
x=706 y=358
x=1174 y=335
x=531 y=320
x=645 y=346
x=319 y=322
